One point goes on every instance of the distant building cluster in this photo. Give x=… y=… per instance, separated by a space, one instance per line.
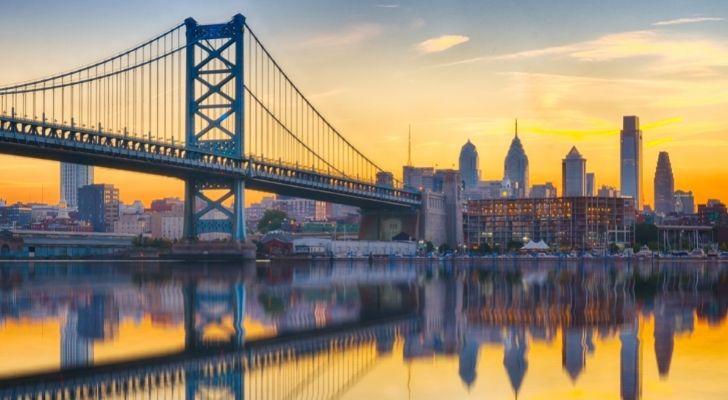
x=302 y=213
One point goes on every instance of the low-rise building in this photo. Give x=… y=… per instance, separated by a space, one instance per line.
x=565 y=222
x=352 y=248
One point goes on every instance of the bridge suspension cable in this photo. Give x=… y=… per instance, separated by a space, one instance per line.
x=141 y=93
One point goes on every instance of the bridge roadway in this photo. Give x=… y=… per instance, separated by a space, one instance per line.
x=224 y=368
x=74 y=144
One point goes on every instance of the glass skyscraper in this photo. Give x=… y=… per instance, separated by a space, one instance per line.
x=631 y=160
x=74 y=176
x=664 y=185
x=573 y=172
x=469 y=165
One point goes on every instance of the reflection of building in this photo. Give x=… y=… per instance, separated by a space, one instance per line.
x=575 y=222
x=468 y=362
x=76 y=350
x=630 y=363
x=514 y=357
x=573 y=351
x=631 y=160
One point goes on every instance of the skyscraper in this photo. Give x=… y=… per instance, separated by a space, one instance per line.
x=684 y=202
x=664 y=185
x=99 y=205
x=573 y=174
x=469 y=165
x=590 y=184
x=516 y=167
x=630 y=148
x=73 y=176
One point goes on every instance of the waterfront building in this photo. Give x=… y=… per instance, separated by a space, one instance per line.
x=74 y=176
x=469 y=165
x=167 y=225
x=16 y=216
x=713 y=213
x=664 y=185
x=590 y=184
x=516 y=167
x=544 y=191
x=417 y=178
x=565 y=222
x=133 y=224
x=573 y=174
x=630 y=140
x=98 y=204
x=684 y=202
x=448 y=182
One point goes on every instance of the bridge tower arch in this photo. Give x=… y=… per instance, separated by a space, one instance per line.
x=214 y=125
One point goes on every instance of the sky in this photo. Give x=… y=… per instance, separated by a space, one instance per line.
x=453 y=70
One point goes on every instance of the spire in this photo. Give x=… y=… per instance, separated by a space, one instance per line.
x=409 y=147
x=516 y=128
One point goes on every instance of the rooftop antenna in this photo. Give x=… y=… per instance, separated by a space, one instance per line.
x=409 y=147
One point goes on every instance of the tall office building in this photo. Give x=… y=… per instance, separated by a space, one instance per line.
x=664 y=185
x=469 y=165
x=630 y=147
x=73 y=176
x=684 y=202
x=99 y=205
x=573 y=174
x=590 y=184
x=516 y=167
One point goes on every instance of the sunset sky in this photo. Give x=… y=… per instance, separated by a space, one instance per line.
x=454 y=70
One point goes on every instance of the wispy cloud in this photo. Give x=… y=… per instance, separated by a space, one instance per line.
x=352 y=35
x=683 y=21
x=332 y=92
x=387 y=5
x=441 y=43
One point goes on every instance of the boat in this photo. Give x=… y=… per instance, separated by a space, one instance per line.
x=697 y=253
x=644 y=252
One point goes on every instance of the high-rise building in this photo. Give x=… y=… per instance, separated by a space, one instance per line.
x=469 y=165
x=684 y=202
x=713 y=213
x=547 y=190
x=417 y=178
x=590 y=184
x=573 y=174
x=73 y=176
x=630 y=148
x=664 y=185
x=608 y=191
x=98 y=204
x=516 y=167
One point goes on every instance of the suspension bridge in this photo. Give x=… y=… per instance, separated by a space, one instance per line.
x=207 y=104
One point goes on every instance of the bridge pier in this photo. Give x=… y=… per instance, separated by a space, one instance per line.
x=376 y=224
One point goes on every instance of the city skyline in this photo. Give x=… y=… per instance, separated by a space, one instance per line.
x=452 y=77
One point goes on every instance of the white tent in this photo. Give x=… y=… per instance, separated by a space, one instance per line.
x=535 y=246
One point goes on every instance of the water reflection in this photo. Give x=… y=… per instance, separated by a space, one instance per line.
x=295 y=330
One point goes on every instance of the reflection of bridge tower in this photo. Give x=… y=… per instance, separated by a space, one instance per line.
x=208 y=308
x=76 y=350
x=631 y=362
x=225 y=382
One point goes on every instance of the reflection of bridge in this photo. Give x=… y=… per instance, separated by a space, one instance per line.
x=321 y=365
x=204 y=103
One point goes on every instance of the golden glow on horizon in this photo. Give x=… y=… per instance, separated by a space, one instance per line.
x=372 y=84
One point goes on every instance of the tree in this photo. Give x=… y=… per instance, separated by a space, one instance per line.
x=272 y=220
x=645 y=234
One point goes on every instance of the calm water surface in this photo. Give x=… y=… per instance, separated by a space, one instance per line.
x=405 y=330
